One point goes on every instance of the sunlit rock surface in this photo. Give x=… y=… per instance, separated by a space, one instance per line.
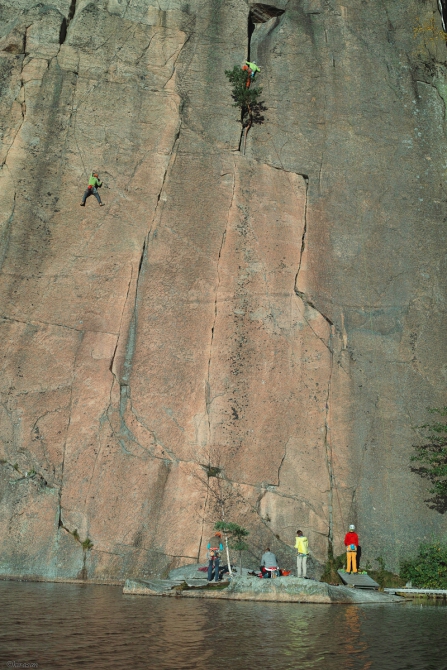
x=282 y=589
x=279 y=315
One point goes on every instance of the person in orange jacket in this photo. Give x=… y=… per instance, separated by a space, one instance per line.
x=351 y=544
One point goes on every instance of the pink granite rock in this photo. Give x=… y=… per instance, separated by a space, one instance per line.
x=277 y=317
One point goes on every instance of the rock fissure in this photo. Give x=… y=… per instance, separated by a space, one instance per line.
x=303 y=237
x=22 y=99
x=216 y=296
x=28 y=475
x=328 y=451
x=442 y=6
x=131 y=336
x=281 y=463
x=70 y=410
x=299 y=293
x=121 y=319
x=34 y=322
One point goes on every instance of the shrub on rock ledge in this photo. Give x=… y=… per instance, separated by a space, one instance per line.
x=428 y=570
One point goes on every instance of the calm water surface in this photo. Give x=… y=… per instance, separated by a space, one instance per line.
x=69 y=626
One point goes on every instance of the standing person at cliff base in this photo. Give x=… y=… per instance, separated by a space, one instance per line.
x=351 y=544
x=302 y=547
x=214 y=547
x=92 y=189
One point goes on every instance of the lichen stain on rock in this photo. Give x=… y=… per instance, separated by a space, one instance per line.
x=277 y=316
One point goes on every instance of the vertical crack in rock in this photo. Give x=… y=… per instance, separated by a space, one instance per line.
x=299 y=293
x=66 y=22
x=22 y=105
x=70 y=407
x=329 y=346
x=124 y=382
x=303 y=238
x=127 y=365
x=328 y=449
x=281 y=464
x=442 y=6
x=121 y=320
x=250 y=31
x=216 y=294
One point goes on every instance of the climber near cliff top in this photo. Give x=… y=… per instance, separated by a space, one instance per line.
x=250 y=69
x=351 y=544
x=92 y=189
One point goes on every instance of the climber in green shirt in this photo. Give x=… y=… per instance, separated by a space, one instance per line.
x=250 y=69
x=253 y=67
x=92 y=189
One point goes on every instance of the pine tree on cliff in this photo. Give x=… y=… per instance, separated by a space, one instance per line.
x=246 y=98
x=236 y=534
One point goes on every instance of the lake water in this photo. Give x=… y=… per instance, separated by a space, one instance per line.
x=87 y=626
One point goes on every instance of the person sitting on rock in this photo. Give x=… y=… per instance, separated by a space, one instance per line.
x=92 y=189
x=351 y=544
x=214 y=547
x=302 y=547
x=268 y=561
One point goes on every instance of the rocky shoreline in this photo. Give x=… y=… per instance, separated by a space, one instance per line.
x=281 y=589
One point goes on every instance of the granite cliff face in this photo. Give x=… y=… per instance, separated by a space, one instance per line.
x=278 y=315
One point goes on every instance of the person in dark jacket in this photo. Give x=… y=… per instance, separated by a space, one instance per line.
x=215 y=547
x=92 y=189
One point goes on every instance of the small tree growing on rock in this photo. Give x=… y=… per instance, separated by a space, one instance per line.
x=236 y=534
x=246 y=99
x=222 y=497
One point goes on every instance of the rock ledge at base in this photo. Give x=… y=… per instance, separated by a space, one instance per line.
x=282 y=589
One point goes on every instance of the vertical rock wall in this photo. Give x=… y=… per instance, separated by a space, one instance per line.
x=278 y=315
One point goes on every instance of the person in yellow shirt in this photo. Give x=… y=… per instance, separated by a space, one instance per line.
x=302 y=547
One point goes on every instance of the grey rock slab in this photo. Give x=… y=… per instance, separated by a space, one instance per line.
x=188 y=572
x=295 y=589
x=149 y=586
x=281 y=589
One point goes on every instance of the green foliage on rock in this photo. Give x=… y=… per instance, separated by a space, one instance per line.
x=334 y=563
x=246 y=99
x=385 y=578
x=236 y=534
x=428 y=570
x=432 y=457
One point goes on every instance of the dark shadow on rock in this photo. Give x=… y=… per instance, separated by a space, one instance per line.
x=437 y=502
x=257 y=115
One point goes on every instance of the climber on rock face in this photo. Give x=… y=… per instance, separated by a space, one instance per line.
x=92 y=189
x=250 y=69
